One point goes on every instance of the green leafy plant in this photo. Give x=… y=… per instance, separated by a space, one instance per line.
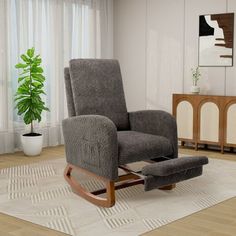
x=31 y=86
x=195 y=75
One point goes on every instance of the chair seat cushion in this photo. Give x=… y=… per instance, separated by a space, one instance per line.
x=136 y=146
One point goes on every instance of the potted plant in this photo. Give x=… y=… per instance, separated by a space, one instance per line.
x=28 y=100
x=195 y=77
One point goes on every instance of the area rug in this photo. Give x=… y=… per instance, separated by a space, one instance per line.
x=38 y=193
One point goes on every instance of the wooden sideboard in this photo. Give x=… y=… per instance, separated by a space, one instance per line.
x=206 y=119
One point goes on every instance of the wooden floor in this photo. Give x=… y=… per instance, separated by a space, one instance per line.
x=219 y=220
x=11 y=226
x=18 y=158
x=209 y=153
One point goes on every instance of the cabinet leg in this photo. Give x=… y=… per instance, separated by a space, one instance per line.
x=182 y=143
x=222 y=149
x=196 y=146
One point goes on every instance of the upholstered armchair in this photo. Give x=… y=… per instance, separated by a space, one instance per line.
x=101 y=136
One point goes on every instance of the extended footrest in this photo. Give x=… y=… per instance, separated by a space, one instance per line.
x=172 y=171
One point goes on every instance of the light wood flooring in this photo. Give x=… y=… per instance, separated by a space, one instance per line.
x=219 y=220
x=18 y=158
x=11 y=226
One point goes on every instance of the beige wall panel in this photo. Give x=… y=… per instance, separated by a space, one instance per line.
x=156 y=42
x=230 y=82
x=130 y=49
x=164 y=55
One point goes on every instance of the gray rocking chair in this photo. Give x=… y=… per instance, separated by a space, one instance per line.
x=101 y=136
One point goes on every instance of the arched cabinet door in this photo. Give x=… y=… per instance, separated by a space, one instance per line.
x=230 y=116
x=206 y=119
x=209 y=120
x=184 y=118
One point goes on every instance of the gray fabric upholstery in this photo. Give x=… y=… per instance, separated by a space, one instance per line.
x=69 y=94
x=91 y=143
x=172 y=171
x=152 y=182
x=135 y=146
x=97 y=89
x=170 y=167
x=157 y=123
x=96 y=103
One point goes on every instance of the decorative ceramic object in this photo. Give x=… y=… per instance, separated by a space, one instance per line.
x=195 y=89
x=32 y=144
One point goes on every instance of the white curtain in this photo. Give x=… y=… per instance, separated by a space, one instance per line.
x=59 y=30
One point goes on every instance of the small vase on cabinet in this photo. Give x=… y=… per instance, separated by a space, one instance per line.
x=195 y=89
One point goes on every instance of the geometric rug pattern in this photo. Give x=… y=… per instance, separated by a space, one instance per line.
x=38 y=193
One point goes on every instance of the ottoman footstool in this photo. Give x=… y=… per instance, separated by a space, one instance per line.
x=172 y=171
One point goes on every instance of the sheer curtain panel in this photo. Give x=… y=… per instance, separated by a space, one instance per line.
x=59 y=30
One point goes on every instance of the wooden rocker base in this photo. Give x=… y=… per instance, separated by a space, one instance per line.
x=129 y=179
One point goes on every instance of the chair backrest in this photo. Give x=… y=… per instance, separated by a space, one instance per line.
x=94 y=86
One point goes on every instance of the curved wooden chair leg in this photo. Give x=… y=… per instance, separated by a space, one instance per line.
x=81 y=191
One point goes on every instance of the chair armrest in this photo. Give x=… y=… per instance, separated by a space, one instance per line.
x=91 y=143
x=156 y=122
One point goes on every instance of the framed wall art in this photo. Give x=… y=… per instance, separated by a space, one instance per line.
x=216 y=37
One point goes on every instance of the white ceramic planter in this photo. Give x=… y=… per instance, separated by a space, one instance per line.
x=32 y=145
x=195 y=89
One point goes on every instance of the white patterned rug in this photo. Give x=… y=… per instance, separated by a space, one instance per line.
x=39 y=194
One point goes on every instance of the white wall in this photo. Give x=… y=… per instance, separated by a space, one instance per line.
x=129 y=49
x=156 y=42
